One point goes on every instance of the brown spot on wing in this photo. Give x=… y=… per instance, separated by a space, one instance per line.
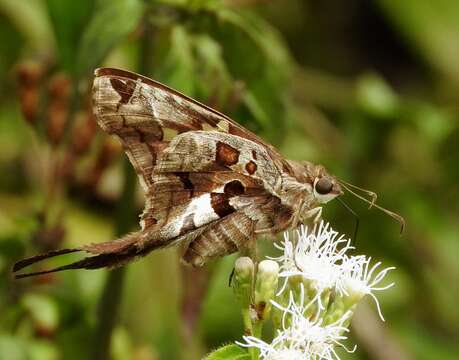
x=233 y=188
x=251 y=167
x=125 y=89
x=220 y=204
x=254 y=154
x=226 y=155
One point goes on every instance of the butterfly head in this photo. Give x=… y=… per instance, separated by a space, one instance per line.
x=325 y=187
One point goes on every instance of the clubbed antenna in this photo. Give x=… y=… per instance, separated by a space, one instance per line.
x=372 y=203
x=370 y=193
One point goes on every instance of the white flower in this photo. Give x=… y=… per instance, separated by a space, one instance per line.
x=316 y=256
x=359 y=279
x=301 y=337
x=320 y=258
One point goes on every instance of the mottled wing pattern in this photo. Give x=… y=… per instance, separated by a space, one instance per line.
x=179 y=202
x=173 y=195
x=209 y=183
x=206 y=178
x=214 y=151
x=146 y=115
x=142 y=116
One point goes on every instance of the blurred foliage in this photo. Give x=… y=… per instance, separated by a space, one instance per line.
x=367 y=88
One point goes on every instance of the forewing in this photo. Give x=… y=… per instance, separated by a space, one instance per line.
x=147 y=115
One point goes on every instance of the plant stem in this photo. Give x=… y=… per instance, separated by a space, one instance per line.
x=248 y=328
x=257 y=332
x=110 y=300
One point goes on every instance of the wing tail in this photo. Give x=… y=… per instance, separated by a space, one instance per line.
x=108 y=254
x=90 y=262
x=37 y=258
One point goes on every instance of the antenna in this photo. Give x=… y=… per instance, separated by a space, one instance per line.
x=372 y=203
x=372 y=194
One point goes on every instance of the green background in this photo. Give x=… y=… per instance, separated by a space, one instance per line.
x=369 y=89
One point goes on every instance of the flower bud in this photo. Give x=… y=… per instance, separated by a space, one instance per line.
x=265 y=287
x=242 y=282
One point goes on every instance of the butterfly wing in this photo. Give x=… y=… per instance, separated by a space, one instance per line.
x=209 y=182
x=146 y=115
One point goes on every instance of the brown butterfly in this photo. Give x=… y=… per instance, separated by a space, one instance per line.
x=211 y=185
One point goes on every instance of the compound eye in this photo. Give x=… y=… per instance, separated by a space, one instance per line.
x=323 y=186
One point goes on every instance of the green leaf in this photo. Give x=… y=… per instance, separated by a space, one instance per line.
x=229 y=352
x=43 y=350
x=170 y=2
x=214 y=81
x=112 y=21
x=255 y=53
x=69 y=18
x=249 y=32
x=189 y=4
x=258 y=112
x=31 y=19
x=177 y=69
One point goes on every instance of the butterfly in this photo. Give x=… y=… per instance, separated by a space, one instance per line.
x=211 y=186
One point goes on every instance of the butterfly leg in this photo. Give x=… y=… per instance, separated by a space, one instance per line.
x=298 y=218
x=314 y=214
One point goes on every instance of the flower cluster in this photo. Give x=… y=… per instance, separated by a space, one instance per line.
x=319 y=260
x=301 y=337
x=321 y=285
